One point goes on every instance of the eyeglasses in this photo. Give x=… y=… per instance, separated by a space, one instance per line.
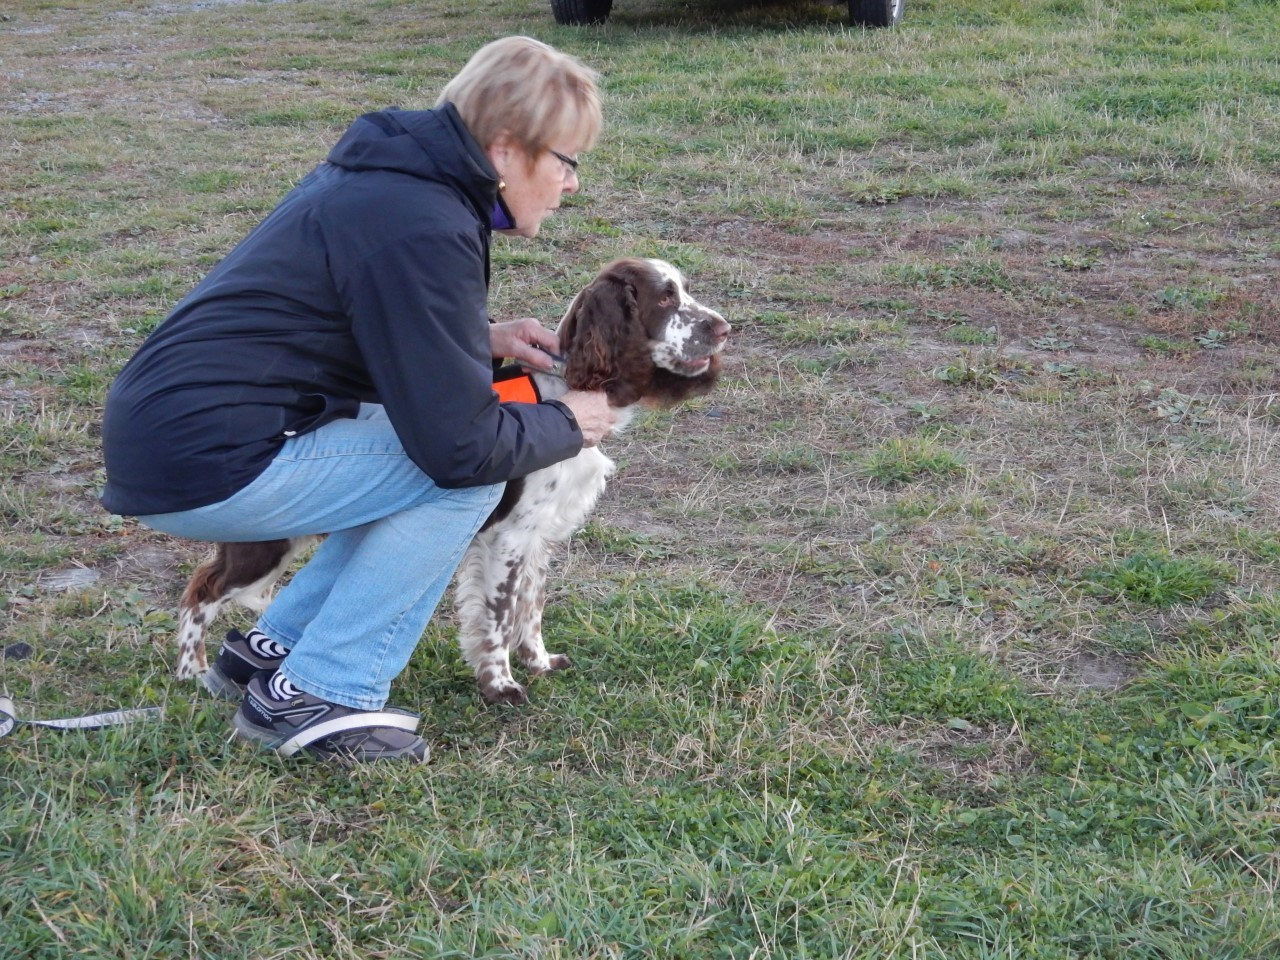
x=569 y=162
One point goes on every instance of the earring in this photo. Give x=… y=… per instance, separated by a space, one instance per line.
x=502 y=185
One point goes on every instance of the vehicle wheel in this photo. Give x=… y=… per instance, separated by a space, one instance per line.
x=876 y=13
x=581 y=11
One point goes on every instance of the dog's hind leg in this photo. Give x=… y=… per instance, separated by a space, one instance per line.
x=247 y=584
x=200 y=604
x=236 y=571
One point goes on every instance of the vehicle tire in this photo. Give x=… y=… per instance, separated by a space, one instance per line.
x=581 y=11
x=876 y=13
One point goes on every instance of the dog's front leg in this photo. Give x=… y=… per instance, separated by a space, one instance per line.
x=488 y=582
x=527 y=627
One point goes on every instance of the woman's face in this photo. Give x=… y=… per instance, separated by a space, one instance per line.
x=534 y=184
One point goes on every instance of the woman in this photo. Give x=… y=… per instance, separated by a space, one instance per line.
x=333 y=375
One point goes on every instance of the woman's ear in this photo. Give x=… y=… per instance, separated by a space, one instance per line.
x=501 y=153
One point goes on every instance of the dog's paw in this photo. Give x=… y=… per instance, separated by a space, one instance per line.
x=508 y=692
x=547 y=663
x=558 y=661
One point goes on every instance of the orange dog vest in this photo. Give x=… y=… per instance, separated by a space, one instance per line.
x=513 y=385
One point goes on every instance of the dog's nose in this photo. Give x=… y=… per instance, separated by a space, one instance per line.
x=708 y=325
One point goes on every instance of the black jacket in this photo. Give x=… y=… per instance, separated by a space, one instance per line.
x=368 y=283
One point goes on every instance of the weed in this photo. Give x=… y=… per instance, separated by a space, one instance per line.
x=1053 y=342
x=982 y=371
x=971 y=336
x=879 y=194
x=1189 y=298
x=1212 y=339
x=1077 y=262
x=1163 y=345
x=1178 y=408
x=1160 y=580
x=900 y=460
x=987 y=275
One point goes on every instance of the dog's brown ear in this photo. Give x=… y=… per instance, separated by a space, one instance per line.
x=604 y=341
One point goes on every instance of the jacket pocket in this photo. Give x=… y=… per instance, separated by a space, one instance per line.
x=316 y=410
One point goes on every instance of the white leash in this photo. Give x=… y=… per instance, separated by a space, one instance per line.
x=112 y=718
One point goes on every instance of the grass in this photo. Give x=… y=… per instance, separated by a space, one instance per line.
x=946 y=628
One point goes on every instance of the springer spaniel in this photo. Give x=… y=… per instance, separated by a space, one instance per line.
x=635 y=333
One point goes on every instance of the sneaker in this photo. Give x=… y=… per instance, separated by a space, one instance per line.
x=280 y=717
x=241 y=656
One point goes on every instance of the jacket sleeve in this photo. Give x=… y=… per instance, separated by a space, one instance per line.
x=419 y=317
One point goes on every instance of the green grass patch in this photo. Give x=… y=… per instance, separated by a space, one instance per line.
x=1160 y=580
x=901 y=460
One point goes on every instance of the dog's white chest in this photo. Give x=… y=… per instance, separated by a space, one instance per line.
x=556 y=501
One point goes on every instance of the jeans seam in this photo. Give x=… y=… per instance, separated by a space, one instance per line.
x=336 y=454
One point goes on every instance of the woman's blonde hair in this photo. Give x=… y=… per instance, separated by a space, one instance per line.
x=529 y=91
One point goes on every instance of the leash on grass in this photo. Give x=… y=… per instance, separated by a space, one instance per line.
x=94 y=721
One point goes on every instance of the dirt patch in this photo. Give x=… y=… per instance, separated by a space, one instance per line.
x=1102 y=672
x=981 y=757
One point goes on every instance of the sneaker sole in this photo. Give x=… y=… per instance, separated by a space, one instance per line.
x=347 y=758
x=251 y=731
x=222 y=686
x=269 y=740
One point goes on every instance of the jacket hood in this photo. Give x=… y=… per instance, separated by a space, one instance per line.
x=430 y=144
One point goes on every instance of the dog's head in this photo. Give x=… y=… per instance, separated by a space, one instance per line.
x=637 y=333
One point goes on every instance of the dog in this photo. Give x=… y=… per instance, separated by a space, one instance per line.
x=634 y=332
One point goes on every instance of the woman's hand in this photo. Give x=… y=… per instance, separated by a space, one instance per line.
x=525 y=341
x=531 y=344
x=596 y=419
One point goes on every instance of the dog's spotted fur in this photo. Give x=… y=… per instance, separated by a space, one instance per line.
x=243 y=572
x=634 y=332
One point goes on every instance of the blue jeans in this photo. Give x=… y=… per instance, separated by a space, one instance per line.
x=352 y=616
